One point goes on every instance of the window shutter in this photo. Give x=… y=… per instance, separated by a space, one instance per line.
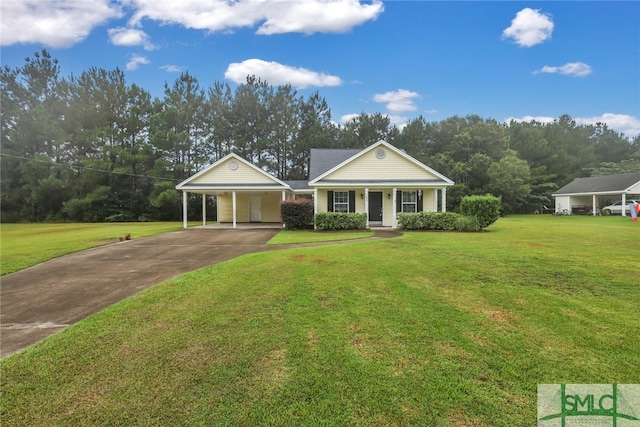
x=352 y=201
x=398 y=201
x=420 y=202
x=329 y=201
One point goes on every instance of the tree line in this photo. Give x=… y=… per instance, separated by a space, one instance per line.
x=95 y=148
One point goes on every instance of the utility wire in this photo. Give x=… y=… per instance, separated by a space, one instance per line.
x=89 y=168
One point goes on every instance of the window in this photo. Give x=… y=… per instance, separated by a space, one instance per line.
x=409 y=201
x=341 y=201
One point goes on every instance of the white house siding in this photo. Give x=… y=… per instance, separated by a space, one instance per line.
x=563 y=202
x=270 y=207
x=322 y=200
x=428 y=199
x=244 y=174
x=391 y=167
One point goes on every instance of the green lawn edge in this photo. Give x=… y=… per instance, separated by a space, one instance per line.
x=431 y=329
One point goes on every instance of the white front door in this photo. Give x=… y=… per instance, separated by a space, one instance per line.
x=255 y=208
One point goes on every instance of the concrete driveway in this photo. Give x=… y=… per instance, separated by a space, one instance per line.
x=42 y=300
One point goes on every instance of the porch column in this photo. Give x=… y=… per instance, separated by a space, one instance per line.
x=624 y=205
x=204 y=209
x=233 y=198
x=435 y=200
x=184 y=209
x=284 y=197
x=315 y=206
x=593 y=205
x=444 y=199
x=366 y=204
x=394 y=223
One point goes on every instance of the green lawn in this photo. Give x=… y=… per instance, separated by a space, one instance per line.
x=287 y=237
x=433 y=329
x=24 y=245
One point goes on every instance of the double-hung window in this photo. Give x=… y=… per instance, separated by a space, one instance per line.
x=409 y=201
x=341 y=201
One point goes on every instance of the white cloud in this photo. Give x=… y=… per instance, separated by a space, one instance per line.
x=629 y=125
x=623 y=123
x=529 y=28
x=318 y=16
x=348 y=117
x=399 y=121
x=136 y=61
x=172 y=68
x=398 y=101
x=130 y=37
x=54 y=23
x=577 y=69
x=278 y=74
x=272 y=16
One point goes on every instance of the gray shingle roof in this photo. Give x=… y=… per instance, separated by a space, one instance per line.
x=298 y=184
x=323 y=159
x=601 y=184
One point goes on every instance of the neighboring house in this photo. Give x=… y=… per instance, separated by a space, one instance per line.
x=597 y=191
x=379 y=180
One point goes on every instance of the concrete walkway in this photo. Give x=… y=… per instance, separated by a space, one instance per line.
x=44 y=299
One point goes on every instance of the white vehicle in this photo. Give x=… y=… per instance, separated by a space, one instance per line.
x=616 y=208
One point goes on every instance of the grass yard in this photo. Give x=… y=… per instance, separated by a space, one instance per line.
x=433 y=329
x=287 y=237
x=24 y=245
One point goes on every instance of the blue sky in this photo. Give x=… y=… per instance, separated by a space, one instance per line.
x=501 y=60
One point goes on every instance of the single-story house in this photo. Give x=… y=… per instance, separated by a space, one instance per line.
x=597 y=191
x=380 y=180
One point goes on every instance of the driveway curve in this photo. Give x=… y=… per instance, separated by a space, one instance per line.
x=41 y=300
x=44 y=299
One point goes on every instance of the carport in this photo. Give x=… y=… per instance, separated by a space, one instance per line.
x=244 y=193
x=597 y=191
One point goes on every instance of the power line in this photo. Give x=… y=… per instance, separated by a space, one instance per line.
x=89 y=168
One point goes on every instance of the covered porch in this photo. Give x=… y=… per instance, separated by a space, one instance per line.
x=381 y=204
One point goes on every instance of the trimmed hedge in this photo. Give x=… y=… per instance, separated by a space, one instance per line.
x=486 y=208
x=297 y=214
x=331 y=221
x=442 y=221
x=478 y=212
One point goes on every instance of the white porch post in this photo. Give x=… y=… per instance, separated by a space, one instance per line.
x=366 y=204
x=444 y=199
x=184 y=209
x=394 y=224
x=204 y=209
x=593 y=205
x=233 y=198
x=284 y=197
x=624 y=204
x=315 y=206
x=435 y=200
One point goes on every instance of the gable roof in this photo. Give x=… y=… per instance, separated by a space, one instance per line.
x=266 y=180
x=349 y=156
x=611 y=184
x=322 y=160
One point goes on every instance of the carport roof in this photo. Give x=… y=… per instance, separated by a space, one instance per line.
x=609 y=184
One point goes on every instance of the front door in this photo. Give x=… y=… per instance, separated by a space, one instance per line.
x=255 y=208
x=375 y=206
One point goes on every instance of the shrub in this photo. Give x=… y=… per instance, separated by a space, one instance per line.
x=297 y=214
x=331 y=221
x=485 y=208
x=467 y=223
x=444 y=221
